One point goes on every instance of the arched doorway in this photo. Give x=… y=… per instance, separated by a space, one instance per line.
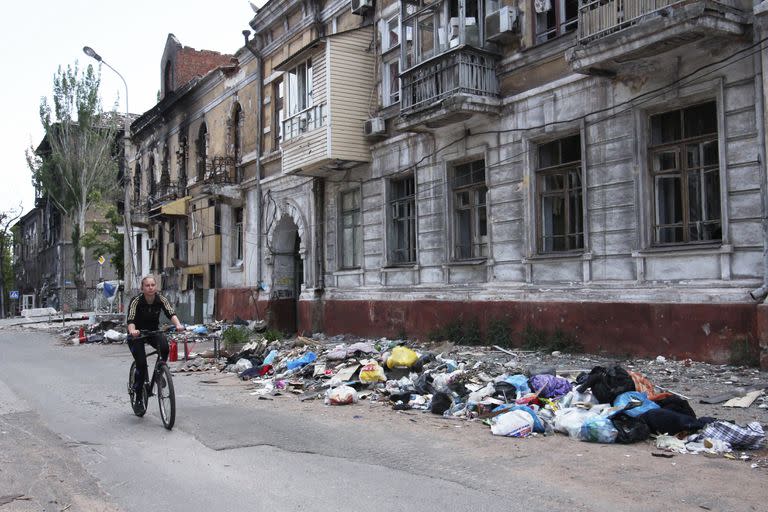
x=287 y=275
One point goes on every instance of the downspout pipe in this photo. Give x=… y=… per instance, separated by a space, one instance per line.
x=259 y=148
x=761 y=89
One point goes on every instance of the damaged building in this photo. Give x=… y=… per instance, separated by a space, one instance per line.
x=388 y=167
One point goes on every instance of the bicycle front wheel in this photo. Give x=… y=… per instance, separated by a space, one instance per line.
x=166 y=397
x=138 y=400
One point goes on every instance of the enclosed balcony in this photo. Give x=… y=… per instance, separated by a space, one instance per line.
x=466 y=76
x=324 y=104
x=612 y=33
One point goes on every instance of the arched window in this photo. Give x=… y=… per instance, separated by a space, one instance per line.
x=202 y=151
x=181 y=158
x=165 y=173
x=151 y=177
x=137 y=183
x=167 y=79
x=237 y=131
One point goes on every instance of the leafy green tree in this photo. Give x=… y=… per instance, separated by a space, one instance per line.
x=104 y=239
x=7 y=220
x=75 y=166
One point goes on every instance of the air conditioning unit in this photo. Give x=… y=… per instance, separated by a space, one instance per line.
x=360 y=7
x=375 y=126
x=501 y=25
x=151 y=244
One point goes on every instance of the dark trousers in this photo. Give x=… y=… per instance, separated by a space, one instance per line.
x=157 y=341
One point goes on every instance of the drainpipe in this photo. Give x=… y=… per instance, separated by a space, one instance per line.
x=259 y=138
x=761 y=89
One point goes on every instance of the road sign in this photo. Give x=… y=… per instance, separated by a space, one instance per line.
x=14 y=294
x=101 y=260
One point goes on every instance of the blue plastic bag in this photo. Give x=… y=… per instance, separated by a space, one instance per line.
x=623 y=400
x=521 y=384
x=270 y=359
x=598 y=429
x=304 y=360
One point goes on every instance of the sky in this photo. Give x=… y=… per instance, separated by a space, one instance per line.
x=39 y=36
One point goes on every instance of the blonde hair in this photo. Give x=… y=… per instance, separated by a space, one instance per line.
x=148 y=276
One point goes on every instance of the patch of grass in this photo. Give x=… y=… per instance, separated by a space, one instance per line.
x=272 y=335
x=499 y=333
x=744 y=353
x=235 y=335
x=538 y=339
x=460 y=332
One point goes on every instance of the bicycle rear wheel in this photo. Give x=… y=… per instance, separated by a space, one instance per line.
x=166 y=397
x=138 y=400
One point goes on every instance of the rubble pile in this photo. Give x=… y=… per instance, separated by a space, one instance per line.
x=515 y=393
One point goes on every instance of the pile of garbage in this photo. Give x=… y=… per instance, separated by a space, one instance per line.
x=603 y=404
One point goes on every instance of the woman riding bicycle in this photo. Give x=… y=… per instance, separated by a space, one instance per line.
x=144 y=315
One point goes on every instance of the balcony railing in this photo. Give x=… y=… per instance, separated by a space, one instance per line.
x=304 y=121
x=223 y=170
x=603 y=17
x=462 y=71
x=167 y=191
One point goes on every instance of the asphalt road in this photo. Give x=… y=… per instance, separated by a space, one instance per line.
x=69 y=441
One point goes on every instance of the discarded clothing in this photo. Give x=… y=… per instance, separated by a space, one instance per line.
x=550 y=385
x=646 y=386
x=751 y=437
x=607 y=383
x=664 y=421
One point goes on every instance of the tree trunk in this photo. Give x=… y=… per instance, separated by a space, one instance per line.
x=79 y=259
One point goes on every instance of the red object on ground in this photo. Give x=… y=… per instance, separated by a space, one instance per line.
x=173 y=354
x=81 y=335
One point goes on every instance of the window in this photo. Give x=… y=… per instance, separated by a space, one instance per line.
x=168 y=78
x=299 y=85
x=559 y=200
x=151 y=177
x=237 y=236
x=390 y=84
x=390 y=33
x=165 y=173
x=181 y=157
x=278 y=113
x=470 y=235
x=685 y=170
x=402 y=218
x=137 y=184
x=555 y=18
x=351 y=229
x=202 y=151
x=237 y=132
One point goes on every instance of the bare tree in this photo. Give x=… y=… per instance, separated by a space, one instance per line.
x=75 y=166
x=7 y=220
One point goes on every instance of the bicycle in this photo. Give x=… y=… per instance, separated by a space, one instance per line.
x=162 y=380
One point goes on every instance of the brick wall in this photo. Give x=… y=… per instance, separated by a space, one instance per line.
x=190 y=63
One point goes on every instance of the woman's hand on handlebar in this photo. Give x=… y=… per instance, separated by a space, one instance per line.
x=134 y=333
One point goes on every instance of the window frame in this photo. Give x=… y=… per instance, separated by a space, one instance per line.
x=563 y=169
x=682 y=172
x=389 y=96
x=278 y=112
x=475 y=190
x=238 y=241
x=409 y=220
x=357 y=230
x=559 y=29
x=201 y=150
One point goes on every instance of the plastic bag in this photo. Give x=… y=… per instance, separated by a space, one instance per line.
x=538 y=425
x=304 y=360
x=242 y=364
x=372 y=372
x=629 y=398
x=569 y=421
x=270 y=359
x=599 y=430
x=342 y=395
x=402 y=356
x=516 y=423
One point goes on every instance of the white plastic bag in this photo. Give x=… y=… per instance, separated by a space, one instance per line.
x=515 y=423
x=243 y=364
x=569 y=421
x=342 y=395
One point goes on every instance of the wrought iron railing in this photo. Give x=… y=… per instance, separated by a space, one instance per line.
x=602 y=17
x=223 y=170
x=461 y=71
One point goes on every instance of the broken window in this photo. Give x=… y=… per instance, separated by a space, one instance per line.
x=685 y=172
x=137 y=184
x=351 y=229
x=181 y=157
x=151 y=177
x=402 y=218
x=202 y=151
x=390 y=84
x=278 y=112
x=559 y=199
x=555 y=18
x=237 y=142
x=237 y=236
x=165 y=172
x=470 y=229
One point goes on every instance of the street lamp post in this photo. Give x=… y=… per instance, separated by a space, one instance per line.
x=128 y=270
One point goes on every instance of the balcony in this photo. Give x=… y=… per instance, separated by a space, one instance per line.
x=322 y=133
x=449 y=88
x=613 y=33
